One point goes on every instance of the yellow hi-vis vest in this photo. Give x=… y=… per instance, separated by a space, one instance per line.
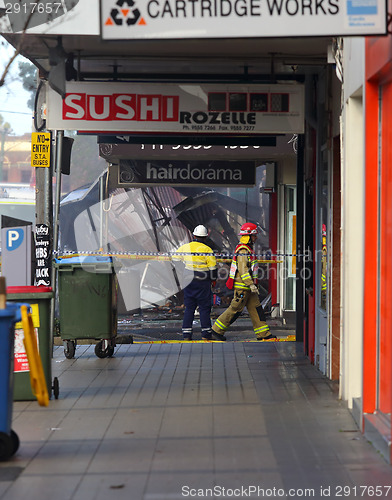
x=197 y=257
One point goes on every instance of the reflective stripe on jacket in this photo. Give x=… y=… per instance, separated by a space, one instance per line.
x=198 y=258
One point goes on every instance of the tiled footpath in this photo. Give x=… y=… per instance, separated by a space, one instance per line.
x=191 y=420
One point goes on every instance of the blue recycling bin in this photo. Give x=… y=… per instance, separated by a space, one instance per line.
x=9 y=441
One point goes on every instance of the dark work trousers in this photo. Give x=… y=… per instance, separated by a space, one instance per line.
x=197 y=293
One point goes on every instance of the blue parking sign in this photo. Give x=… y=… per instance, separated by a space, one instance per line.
x=14 y=238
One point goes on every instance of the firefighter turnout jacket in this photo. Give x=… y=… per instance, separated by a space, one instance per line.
x=243 y=269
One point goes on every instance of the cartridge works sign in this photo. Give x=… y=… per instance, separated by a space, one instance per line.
x=182 y=173
x=148 y=108
x=159 y=19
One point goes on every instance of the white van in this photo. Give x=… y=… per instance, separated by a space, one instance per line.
x=18 y=201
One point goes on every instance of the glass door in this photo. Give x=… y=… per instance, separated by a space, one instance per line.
x=290 y=243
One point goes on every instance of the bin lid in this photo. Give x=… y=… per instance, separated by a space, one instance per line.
x=12 y=311
x=28 y=289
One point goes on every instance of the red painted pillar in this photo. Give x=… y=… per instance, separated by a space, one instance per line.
x=371 y=249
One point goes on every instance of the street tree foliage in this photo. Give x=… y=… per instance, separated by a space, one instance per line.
x=86 y=165
x=22 y=15
x=28 y=76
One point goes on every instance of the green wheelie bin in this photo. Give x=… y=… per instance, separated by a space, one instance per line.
x=39 y=299
x=87 y=294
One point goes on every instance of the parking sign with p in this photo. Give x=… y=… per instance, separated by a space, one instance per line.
x=16 y=254
x=14 y=238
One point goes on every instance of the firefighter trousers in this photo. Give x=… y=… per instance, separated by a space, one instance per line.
x=241 y=299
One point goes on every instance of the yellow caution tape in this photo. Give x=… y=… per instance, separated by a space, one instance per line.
x=153 y=256
x=37 y=377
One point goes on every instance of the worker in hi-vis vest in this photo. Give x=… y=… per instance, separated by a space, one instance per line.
x=243 y=278
x=199 y=273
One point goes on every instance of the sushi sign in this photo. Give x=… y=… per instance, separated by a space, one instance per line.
x=192 y=109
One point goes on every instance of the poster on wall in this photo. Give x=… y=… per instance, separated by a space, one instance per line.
x=21 y=363
x=193 y=109
x=43 y=254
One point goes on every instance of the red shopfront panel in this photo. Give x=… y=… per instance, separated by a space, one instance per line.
x=385 y=310
x=371 y=251
x=377 y=372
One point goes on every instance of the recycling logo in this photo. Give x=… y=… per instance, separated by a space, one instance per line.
x=124 y=13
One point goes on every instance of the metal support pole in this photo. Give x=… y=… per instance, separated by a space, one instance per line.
x=59 y=150
x=44 y=213
x=44 y=197
x=101 y=212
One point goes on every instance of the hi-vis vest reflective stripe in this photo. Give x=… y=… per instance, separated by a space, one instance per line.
x=196 y=262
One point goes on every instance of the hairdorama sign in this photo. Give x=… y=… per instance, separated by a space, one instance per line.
x=136 y=173
x=165 y=19
x=193 y=109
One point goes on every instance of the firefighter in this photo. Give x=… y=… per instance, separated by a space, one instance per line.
x=243 y=278
x=199 y=274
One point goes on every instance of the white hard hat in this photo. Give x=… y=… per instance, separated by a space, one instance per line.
x=200 y=231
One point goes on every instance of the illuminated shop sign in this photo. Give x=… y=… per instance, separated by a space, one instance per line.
x=150 y=108
x=137 y=173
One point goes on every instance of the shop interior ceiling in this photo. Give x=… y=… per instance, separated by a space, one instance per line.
x=244 y=59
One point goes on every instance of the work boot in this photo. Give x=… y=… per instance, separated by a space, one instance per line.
x=206 y=334
x=218 y=336
x=268 y=337
x=187 y=334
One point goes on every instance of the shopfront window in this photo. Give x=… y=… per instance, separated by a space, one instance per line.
x=161 y=218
